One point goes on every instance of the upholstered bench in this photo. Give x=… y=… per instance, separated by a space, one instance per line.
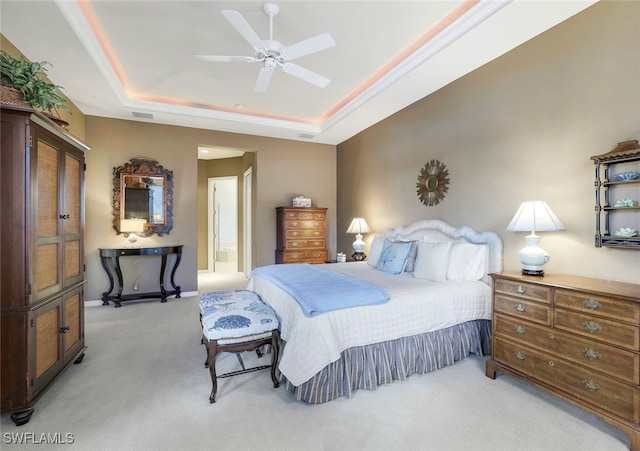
x=237 y=321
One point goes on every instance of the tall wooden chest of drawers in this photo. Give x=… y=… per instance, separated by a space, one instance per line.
x=574 y=336
x=301 y=235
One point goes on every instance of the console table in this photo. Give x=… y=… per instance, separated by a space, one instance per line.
x=110 y=258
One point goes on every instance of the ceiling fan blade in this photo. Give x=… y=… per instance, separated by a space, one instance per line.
x=238 y=22
x=305 y=74
x=226 y=59
x=264 y=78
x=308 y=46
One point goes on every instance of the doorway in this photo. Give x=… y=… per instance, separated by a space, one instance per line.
x=223 y=224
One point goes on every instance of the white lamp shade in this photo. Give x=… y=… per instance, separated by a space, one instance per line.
x=534 y=216
x=132 y=225
x=358 y=226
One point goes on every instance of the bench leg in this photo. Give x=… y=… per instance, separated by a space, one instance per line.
x=275 y=352
x=212 y=350
x=205 y=341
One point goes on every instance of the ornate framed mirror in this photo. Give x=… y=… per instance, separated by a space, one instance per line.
x=432 y=183
x=143 y=190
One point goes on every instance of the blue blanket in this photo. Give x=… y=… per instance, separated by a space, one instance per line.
x=320 y=291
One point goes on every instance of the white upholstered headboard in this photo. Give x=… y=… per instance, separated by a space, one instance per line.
x=438 y=230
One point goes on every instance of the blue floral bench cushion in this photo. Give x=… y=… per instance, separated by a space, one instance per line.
x=232 y=314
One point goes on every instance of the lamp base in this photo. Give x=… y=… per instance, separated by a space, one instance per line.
x=533 y=272
x=358 y=256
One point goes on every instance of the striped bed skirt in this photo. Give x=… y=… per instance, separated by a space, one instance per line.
x=367 y=367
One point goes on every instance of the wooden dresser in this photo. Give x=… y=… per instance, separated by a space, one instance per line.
x=301 y=235
x=577 y=337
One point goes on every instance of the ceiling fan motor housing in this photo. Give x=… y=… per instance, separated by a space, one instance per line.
x=270 y=9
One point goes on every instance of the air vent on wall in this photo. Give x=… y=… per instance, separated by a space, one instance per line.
x=306 y=136
x=142 y=115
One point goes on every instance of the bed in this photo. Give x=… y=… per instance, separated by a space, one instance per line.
x=437 y=312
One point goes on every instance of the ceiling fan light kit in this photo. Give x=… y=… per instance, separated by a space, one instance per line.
x=272 y=53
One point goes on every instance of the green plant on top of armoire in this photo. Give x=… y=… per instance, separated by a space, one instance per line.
x=29 y=78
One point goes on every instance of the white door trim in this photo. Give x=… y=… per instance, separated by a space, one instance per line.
x=248 y=221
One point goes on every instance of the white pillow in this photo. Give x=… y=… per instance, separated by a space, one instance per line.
x=467 y=262
x=432 y=261
x=375 y=251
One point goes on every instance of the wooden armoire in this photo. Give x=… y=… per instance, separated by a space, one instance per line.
x=41 y=257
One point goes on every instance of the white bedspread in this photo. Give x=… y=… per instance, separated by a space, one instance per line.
x=416 y=306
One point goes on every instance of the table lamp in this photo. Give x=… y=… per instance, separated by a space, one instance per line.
x=131 y=227
x=358 y=226
x=532 y=216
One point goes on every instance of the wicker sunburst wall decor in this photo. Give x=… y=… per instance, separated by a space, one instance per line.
x=432 y=183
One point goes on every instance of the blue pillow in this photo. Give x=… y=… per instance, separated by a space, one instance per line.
x=393 y=257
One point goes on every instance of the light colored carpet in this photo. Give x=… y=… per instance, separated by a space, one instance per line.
x=143 y=386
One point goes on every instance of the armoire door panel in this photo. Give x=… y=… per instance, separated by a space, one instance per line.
x=71 y=259
x=72 y=203
x=47 y=271
x=72 y=321
x=47 y=350
x=47 y=207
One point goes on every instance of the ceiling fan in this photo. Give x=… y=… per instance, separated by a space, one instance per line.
x=272 y=53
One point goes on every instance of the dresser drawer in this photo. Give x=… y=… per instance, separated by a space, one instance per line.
x=523 y=290
x=624 y=365
x=589 y=386
x=308 y=256
x=510 y=354
x=598 y=305
x=303 y=244
x=308 y=233
x=540 y=313
x=624 y=335
x=305 y=215
x=301 y=224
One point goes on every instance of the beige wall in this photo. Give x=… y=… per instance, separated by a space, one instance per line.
x=522 y=127
x=282 y=170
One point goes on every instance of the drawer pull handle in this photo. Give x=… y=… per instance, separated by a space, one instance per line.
x=519 y=330
x=520 y=308
x=591 y=326
x=591 y=304
x=551 y=363
x=520 y=355
x=295 y=234
x=591 y=353
x=295 y=223
x=552 y=337
x=520 y=289
x=590 y=385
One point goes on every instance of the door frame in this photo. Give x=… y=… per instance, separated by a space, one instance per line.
x=211 y=181
x=247 y=206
